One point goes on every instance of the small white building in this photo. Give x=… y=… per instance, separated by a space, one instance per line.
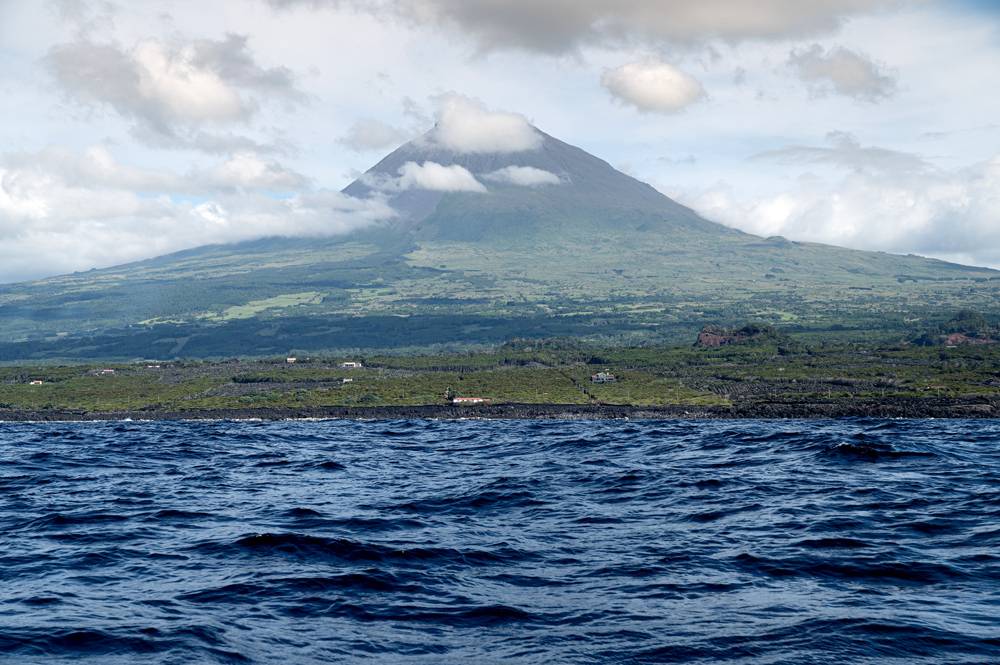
x=351 y=364
x=106 y=372
x=603 y=377
x=291 y=360
x=37 y=382
x=346 y=380
x=467 y=401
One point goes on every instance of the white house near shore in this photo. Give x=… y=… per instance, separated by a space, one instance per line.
x=466 y=401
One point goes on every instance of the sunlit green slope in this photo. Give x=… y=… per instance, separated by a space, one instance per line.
x=600 y=254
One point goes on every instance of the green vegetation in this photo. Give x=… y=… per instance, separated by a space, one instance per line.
x=323 y=305
x=966 y=327
x=601 y=257
x=520 y=372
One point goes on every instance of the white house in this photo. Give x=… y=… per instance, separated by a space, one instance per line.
x=466 y=401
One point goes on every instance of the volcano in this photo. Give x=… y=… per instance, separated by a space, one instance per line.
x=548 y=241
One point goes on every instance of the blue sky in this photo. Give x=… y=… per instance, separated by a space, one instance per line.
x=129 y=131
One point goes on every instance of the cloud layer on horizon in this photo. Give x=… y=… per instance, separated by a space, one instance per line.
x=61 y=212
x=875 y=199
x=845 y=151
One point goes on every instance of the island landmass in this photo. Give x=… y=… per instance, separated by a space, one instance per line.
x=748 y=372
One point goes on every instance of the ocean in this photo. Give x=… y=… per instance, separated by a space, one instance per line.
x=421 y=541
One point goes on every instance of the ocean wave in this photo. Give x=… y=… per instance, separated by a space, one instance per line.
x=500 y=541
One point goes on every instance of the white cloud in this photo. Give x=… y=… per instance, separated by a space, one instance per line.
x=466 y=125
x=172 y=91
x=842 y=71
x=434 y=176
x=247 y=170
x=61 y=212
x=173 y=84
x=524 y=176
x=653 y=86
x=94 y=167
x=371 y=134
x=946 y=214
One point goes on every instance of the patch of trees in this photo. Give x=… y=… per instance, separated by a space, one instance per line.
x=965 y=327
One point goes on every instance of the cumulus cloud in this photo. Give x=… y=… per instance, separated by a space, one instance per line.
x=653 y=86
x=467 y=126
x=561 y=26
x=248 y=171
x=845 y=151
x=842 y=71
x=434 y=176
x=172 y=91
x=61 y=212
x=945 y=214
x=371 y=134
x=523 y=176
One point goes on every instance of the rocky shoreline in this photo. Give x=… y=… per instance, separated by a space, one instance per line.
x=898 y=407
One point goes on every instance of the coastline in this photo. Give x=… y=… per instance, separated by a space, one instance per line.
x=898 y=407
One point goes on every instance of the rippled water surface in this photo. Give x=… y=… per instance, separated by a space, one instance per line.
x=479 y=542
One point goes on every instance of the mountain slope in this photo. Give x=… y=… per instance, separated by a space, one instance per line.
x=592 y=252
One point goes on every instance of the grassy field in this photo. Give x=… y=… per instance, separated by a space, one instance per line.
x=517 y=373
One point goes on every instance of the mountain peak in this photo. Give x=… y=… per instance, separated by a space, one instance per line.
x=552 y=180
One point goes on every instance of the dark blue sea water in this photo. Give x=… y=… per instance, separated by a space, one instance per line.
x=487 y=542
